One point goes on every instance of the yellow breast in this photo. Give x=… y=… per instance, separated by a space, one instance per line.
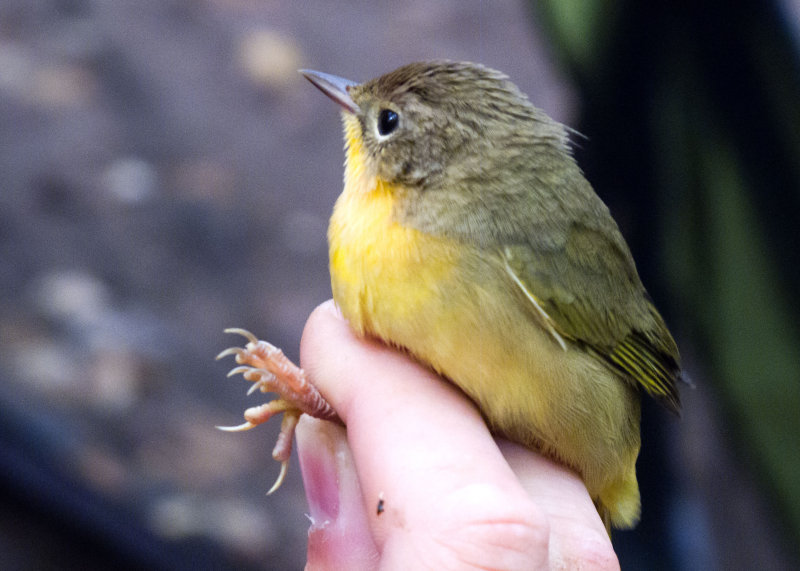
x=382 y=273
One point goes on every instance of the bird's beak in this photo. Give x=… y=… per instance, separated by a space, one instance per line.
x=334 y=87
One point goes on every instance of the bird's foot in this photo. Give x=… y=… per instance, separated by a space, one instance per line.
x=270 y=370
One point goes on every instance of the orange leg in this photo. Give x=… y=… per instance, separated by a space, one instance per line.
x=270 y=371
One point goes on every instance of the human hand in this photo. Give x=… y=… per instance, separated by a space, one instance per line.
x=417 y=481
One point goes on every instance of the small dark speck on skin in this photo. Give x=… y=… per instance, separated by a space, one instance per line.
x=379 y=511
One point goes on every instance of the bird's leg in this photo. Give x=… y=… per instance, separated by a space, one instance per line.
x=270 y=370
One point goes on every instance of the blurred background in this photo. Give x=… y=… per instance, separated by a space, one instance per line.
x=165 y=173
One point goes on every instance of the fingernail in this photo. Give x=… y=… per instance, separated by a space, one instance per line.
x=333 y=307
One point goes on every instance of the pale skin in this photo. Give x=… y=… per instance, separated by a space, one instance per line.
x=422 y=483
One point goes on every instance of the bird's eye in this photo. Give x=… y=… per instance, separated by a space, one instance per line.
x=387 y=122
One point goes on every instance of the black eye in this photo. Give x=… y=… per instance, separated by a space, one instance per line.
x=387 y=121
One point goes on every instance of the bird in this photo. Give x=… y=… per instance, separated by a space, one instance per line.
x=468 y=236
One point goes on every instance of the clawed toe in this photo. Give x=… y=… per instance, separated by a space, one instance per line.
x=281 y=477
x=270 y=370
x=228 y=352
x=238 y=428
x=244 y=333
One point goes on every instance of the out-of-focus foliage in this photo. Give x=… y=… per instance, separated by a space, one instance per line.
x=693 y=113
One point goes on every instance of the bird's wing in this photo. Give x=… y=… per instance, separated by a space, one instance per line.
x=585 y=290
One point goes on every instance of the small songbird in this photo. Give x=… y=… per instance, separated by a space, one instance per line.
x=467 y=235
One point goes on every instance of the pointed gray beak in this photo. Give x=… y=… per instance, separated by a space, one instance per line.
x=334 y=87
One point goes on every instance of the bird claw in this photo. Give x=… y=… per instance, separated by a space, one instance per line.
x=244 y=333
x=238 y=370
x=270 y=370
x=229 y=351
x=281 y=477
x=238 y=428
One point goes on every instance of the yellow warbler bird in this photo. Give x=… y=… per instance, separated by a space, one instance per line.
x=467 y=235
